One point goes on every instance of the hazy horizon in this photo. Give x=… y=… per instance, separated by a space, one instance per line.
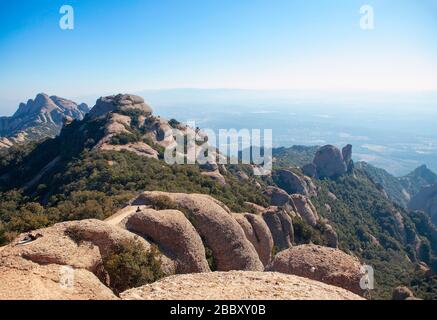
x=311 y=70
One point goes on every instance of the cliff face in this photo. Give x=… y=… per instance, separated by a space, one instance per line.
x=39 y=118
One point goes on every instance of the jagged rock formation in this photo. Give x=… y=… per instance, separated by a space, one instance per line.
x=38 y=119
x=131 y=126
x=79 y=244
x=323 y=264
x=238 y=286
x=221 y=233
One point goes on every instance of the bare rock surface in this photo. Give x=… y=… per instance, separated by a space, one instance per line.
x=238 y=285
x=329 y=162
x=324 y=264
x=281 y=227
x=22 y=279
x=306 y=209
x=280 y=198
x=109 y=104
x=331 y=236
x=34 y=262
x=293 y=183
x=258 y=233
x=216 y=226
x=174 y=235
x=39 y=118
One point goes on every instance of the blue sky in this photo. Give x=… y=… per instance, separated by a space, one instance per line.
x=133 y=45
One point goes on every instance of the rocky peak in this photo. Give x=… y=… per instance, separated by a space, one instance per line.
x=109 y=104
x=330 y=162
x=424 y=174
x=39 y=118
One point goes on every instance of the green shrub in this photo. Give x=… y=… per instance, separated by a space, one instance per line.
x=124 y=138
x=130 y=266
x=174 y=123
x=303 y=234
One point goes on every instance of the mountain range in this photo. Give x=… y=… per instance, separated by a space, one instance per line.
x=38 y=119
x=99 y=197
x=415 y=191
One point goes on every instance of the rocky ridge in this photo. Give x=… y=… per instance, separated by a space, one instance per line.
x=182 y=226
x=40 y=118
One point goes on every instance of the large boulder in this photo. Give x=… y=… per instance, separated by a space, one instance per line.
x=220 y=231
x=347 y=157
x=402 y=293
x=32 y=265
x=173 y=234
x=329 y=162
x=22 y=279
x=109 y=104
x=238 y=285
x=279 y=198
x=293 y=183
x=331 y=236
x=324 y=264
x=258 y=233
x=281 y=227
x=306 y=209
x=79 y=244
x=310 y=170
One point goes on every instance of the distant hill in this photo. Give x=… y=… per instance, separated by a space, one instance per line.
x=415 y=191
x=420 y=178
x=295 y=156
x=392 y=185
x=38 y=119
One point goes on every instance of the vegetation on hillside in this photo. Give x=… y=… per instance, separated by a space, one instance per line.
x=295 y=156
x=129 y=266
x=87 y=184
x=368 y=226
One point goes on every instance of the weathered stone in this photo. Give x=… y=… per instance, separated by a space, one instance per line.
x=219 y=230
x=173 y=234
x=238 y=285
x=258 y=233
x=331 y=236
x=329 y=162
x=324 y=264
x=305 y=209
x=281 y=227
